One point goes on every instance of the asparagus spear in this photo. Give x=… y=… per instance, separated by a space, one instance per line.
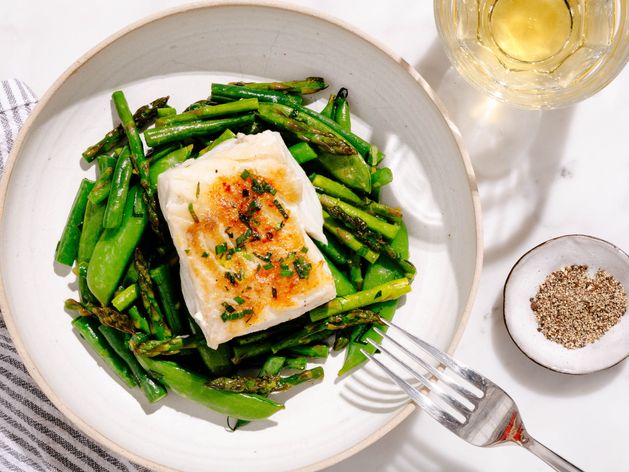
x=336 y=189
x=139 y=321
x=348 y=239
x=380 y=293
x=301 y=87
x=163 y=347
x=302 y=152
x=305 y=128
x=334 y=206
x=116 y=137
x=170 y=300
x=102 y=187
x=158 y=325
x=264 y=385
x=119 y=190
x=126 y=297
x=106 y=315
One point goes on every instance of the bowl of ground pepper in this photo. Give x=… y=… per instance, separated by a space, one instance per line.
x=565 y=304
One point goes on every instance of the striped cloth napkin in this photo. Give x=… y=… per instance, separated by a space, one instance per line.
x=34 y=435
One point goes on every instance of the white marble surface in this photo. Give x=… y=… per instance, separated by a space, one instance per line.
x=540 y=174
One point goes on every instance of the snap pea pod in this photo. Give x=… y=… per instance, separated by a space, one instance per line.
x=380 y=293
x=88 y=329
x=119 y=190
x=68 y=246
x=348 y=239
x=126 y=297
x=333 y=249
x=102 y=187
x=341 y=283
x=236 y=92
x=193 y=386
x=167 y=162
x=116 y=137
x=296 y=363
x=381 y=177
x=171 y=305
x=328 y=110
x=355 y=271
x=341 y=110
x=302 y=152
x=91 y=230
x=178 y=132
x=84 y=292
x=210 y=111
x=114 y=250
x=315 y=351
x=225 y=136
x=120 y=344
x=302 y=87
x=352 y=170
x=384 y=270
x=216 y=360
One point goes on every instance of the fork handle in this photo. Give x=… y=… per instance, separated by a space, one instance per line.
x=551 y=458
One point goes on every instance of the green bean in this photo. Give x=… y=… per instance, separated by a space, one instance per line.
x=236 y=92
x=171 y=304
x=193 y=386
x=114 y=250
x=167 y=134
x=68 y=246
x=120 y=344
x=106 y=165
x=119 y=191
x=88 y=329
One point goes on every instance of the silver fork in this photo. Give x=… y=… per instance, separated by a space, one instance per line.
x=483 y=415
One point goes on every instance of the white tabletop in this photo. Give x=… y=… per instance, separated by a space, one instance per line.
x=540 y=175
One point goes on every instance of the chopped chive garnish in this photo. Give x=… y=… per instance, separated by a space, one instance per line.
x=262 y=186
x=279 y=226
x=220 y=248
x=231 y=277
x=268 y=266
x=274 y=292
x=198 y=189
x=240 y=240
x=205 y=254
x=284 y=266
x=192 y=212
x=247 y=256
x=280 y=208
x=302 y=268
x=304 y=249
x=228 y=307
x=264 y=257
x=236 y=315
x=286 y=273
x=239 y=300
x=245 y=174
x=187 y=251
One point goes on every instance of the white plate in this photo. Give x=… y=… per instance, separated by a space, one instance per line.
x=180 y=53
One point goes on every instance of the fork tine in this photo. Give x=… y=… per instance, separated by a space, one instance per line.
x=424 y=402
x=432 y=386
x=463 y=392
x=465 y=372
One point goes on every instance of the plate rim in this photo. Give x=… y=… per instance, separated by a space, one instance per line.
x=32 y=369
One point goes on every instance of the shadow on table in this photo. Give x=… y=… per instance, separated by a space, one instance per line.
x=536 y=377
x=406 y=456
x=516 y=154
